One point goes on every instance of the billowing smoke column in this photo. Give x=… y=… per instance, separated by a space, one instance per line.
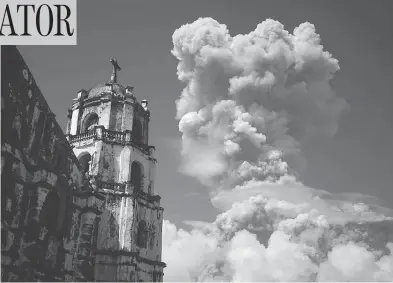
x=249 y=102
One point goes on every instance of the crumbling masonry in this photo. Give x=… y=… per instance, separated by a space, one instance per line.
x=78 y=206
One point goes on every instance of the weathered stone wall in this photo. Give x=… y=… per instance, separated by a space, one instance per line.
x=152 y=215
x=116 y=121
x=134 y=154
x=60 y=222
x=114 y=107
x=112 y=162
x=113 y=152
x=48 y=214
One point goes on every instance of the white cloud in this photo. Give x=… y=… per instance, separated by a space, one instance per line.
x=248 y=102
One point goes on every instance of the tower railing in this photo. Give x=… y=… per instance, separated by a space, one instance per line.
x=124 y=188
x=118 y=137
x=82 y=137
x=100 y=133
x=111 y=186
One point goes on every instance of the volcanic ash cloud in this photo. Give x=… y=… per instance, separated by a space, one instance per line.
x=249 y=102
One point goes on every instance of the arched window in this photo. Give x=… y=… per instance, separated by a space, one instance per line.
x=156 y=276
x=50 y=211
x=137 y=134
x=87 y=270
x=63 y=187
x=89 y=122
x=60 y=157
x=137 y=175
x=39 y=130
x=141 y=240
x=132 y=277
x=84 y=160
x=4 y=238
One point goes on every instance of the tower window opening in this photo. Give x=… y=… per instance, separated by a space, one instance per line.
x=85 y=161
x=137 y=175
x=137 y=133
x=142 y=234
x=90 y=122
x=50 y=211
x=37 y=143
x=4 y=238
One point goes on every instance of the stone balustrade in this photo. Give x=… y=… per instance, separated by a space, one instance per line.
x=84 y=136
x=125 y=188
x=117 y=137
x=100 y=133
x=111 y=186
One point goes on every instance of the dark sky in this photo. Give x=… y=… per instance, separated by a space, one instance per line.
x=139 y=33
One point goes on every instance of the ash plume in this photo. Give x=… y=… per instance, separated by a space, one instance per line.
x=249 y=102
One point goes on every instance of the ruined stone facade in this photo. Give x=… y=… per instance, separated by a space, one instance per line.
x=78 y=206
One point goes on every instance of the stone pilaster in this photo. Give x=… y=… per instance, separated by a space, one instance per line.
x=84 y=254
x=19 y=193
x=91 y=206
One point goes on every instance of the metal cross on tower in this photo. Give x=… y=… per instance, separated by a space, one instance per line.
x=116 y=68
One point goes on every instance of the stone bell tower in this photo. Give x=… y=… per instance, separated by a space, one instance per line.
x=108 y=130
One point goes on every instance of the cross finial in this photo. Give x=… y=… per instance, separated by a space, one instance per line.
x=116 y=68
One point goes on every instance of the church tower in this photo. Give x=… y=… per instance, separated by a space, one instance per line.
x=109 y=132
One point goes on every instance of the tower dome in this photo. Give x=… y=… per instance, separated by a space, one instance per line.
x=101 y=89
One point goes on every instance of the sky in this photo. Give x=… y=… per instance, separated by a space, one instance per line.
x=139 y=34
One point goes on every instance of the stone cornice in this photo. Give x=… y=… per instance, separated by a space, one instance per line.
x=108 y=96
x=126 y=189
x=43 y=167
x=87 y=194
x=131 y=254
